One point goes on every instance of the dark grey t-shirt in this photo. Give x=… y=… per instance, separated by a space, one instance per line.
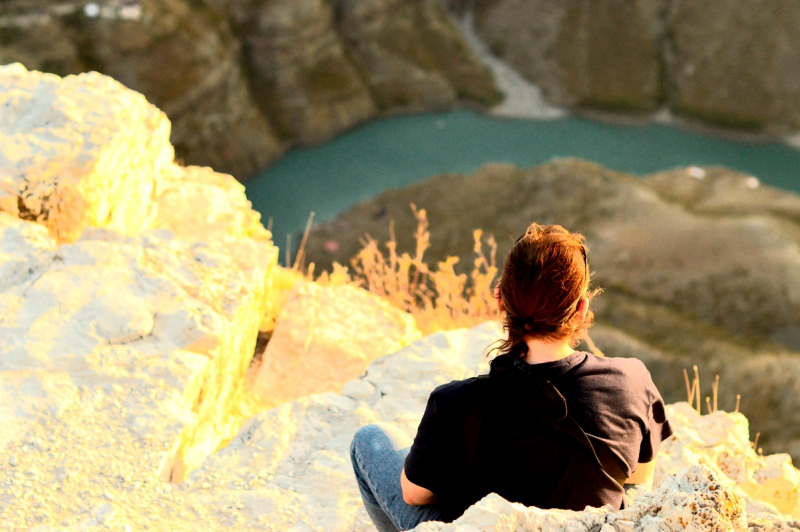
x=523 y=457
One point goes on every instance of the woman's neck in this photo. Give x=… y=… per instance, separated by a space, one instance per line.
x=540 y=351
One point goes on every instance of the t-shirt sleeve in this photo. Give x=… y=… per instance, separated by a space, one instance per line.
x=424 y=464
x=658 y=428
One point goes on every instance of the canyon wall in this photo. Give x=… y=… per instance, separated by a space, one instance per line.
x=731 y=63
x=243 y=80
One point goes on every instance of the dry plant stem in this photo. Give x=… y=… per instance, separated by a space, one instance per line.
x=697 y=388
x=755 y=442
x=738 y=399
x=439 y=299
x=301 y=251
x=689 y=389
x=288 y=251
x=708 y=405
x=715 y=391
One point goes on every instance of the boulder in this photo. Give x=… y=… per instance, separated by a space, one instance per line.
x=326 y=336
x=128 y=319
x=79 y=152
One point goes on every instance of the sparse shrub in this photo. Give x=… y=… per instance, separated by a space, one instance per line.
x=439 y=299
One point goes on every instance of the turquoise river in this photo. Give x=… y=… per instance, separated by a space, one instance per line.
x=392 y=153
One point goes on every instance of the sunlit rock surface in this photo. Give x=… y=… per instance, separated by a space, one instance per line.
x=721 y=441
x=693 y=500
x=326 y=336
x=62 y=140
x=130 y=302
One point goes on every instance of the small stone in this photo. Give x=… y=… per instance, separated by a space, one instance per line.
x=103 y=513
x=13 y=461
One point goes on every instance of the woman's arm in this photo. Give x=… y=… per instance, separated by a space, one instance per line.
x=415 y=495
x=643 y=474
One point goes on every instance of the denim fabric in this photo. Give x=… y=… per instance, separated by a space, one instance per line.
x=378 y=452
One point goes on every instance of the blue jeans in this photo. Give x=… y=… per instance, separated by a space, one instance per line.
x=378 y=453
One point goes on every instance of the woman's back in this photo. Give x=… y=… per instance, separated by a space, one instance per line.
x=519 y=453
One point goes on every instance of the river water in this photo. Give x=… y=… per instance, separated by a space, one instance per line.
x=391 y=153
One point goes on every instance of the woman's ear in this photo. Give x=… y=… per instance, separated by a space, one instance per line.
x=583 y=308
x=498 y=299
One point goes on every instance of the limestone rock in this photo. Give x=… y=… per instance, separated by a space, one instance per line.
x=199 y=204
x=691 y=500
x=122 y=353
x=721 y=441
x=325 y=336
x=63 y=140
x=602 y=54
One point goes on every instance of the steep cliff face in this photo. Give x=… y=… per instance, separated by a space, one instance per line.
x=241 y=80
x=736 y=62
x=731 y=63
x=602 y=54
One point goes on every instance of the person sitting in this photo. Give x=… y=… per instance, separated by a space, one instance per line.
x=549 y=426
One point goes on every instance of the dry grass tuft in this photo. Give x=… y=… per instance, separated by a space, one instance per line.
x=439 y=299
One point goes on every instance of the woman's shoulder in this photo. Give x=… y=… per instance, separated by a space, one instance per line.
x=628 y=372
x=454 y=396
x=622 y=365
x=454 y=390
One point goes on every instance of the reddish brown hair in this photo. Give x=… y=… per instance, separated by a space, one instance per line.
x=545 y=276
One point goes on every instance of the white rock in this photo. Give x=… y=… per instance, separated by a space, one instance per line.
x=721 y=441
x=296 y=456
x=125 y=335
x=103 y=513
x=325 y=336
x=692 y=500
x=79 y=151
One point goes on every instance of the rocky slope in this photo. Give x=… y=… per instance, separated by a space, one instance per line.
x=697 y=58
x=700 y=269
x=241 y=80
x=132 y=295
